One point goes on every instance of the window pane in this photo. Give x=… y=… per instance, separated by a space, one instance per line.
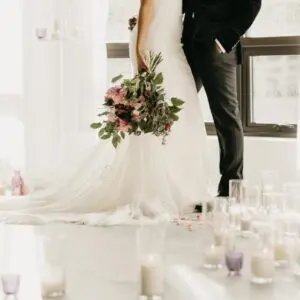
x=120 y=11
x=275 y=89
x=11 y=47
x=277 y=18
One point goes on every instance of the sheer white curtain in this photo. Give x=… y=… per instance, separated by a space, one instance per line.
x=64 y=84
x=11 y=127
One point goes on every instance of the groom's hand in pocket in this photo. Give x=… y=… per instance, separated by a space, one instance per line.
x=219 y=47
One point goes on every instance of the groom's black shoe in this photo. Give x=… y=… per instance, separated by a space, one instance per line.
x=199 y=208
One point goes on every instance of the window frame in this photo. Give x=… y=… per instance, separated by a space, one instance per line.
x=250 y=47
x=263 y=46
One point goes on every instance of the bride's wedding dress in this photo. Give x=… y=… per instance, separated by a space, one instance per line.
x=144 y=176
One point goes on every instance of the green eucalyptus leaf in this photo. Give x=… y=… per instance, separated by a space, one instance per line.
x=177 y=102
x=117 y=78
x=96 y=125
x=106 y=136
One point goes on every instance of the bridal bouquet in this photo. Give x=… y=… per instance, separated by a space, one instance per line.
x=138 y=106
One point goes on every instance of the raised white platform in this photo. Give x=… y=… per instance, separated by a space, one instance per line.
x=101 y=263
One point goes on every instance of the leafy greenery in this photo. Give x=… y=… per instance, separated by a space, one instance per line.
x=138 y=106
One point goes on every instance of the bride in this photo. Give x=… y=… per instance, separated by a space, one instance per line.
x=145 y=178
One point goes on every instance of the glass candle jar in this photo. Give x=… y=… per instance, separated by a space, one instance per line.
x=213 y=257
x=262 y=256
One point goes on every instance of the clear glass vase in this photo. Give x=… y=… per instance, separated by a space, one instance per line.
x=51 y=253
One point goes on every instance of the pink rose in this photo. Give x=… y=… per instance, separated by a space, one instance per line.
x=111 y=117
x=117 y=94
x=124 y=126
x=137 y=105
x=136 y=116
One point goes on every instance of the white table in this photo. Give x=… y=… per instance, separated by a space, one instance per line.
x=101 y=262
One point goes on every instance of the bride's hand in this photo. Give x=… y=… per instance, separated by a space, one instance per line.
x=141 y=62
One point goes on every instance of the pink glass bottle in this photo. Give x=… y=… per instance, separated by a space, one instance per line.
x=17 y=184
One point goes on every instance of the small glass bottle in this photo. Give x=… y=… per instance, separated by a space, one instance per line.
x=17 y=184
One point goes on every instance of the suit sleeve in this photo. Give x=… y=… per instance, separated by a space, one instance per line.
x=246 y=11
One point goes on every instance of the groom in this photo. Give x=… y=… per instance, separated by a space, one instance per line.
x=211 y=41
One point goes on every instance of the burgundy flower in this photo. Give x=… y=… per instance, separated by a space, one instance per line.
x=132 y=23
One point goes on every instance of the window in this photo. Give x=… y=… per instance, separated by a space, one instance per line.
x=271 y=71
x=271 y=86
x=275 y=88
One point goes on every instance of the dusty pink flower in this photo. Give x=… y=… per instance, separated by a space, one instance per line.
x=124 y=126
x=136 y=116
x=111 y=117
x=117 y=94
x=137 y=105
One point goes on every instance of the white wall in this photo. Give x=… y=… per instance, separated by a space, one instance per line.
x=261 y=154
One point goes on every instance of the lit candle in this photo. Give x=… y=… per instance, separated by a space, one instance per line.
x=262 y=267
x=213 y=257
x=52 y=282
x=282 y=252
x=245 y=224
x=152 y=275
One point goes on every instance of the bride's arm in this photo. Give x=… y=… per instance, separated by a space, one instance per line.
x=144 y=21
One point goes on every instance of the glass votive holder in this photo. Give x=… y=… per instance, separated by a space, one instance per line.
x=220 y=205
x=150 y=243
x=225 y=238
x=283 y=249
x=245 y=225
x=213 y=257
x=234 y=216
x=274 y=203
x=237 y=190
x=10 y=284
x=234 y=262
x=262 y=266
x=295 y=261
x=53 y=281
x=41 y=33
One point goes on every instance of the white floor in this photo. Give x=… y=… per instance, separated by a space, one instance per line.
x=101 y=263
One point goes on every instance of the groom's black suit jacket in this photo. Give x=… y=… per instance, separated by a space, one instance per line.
x=224 y=20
